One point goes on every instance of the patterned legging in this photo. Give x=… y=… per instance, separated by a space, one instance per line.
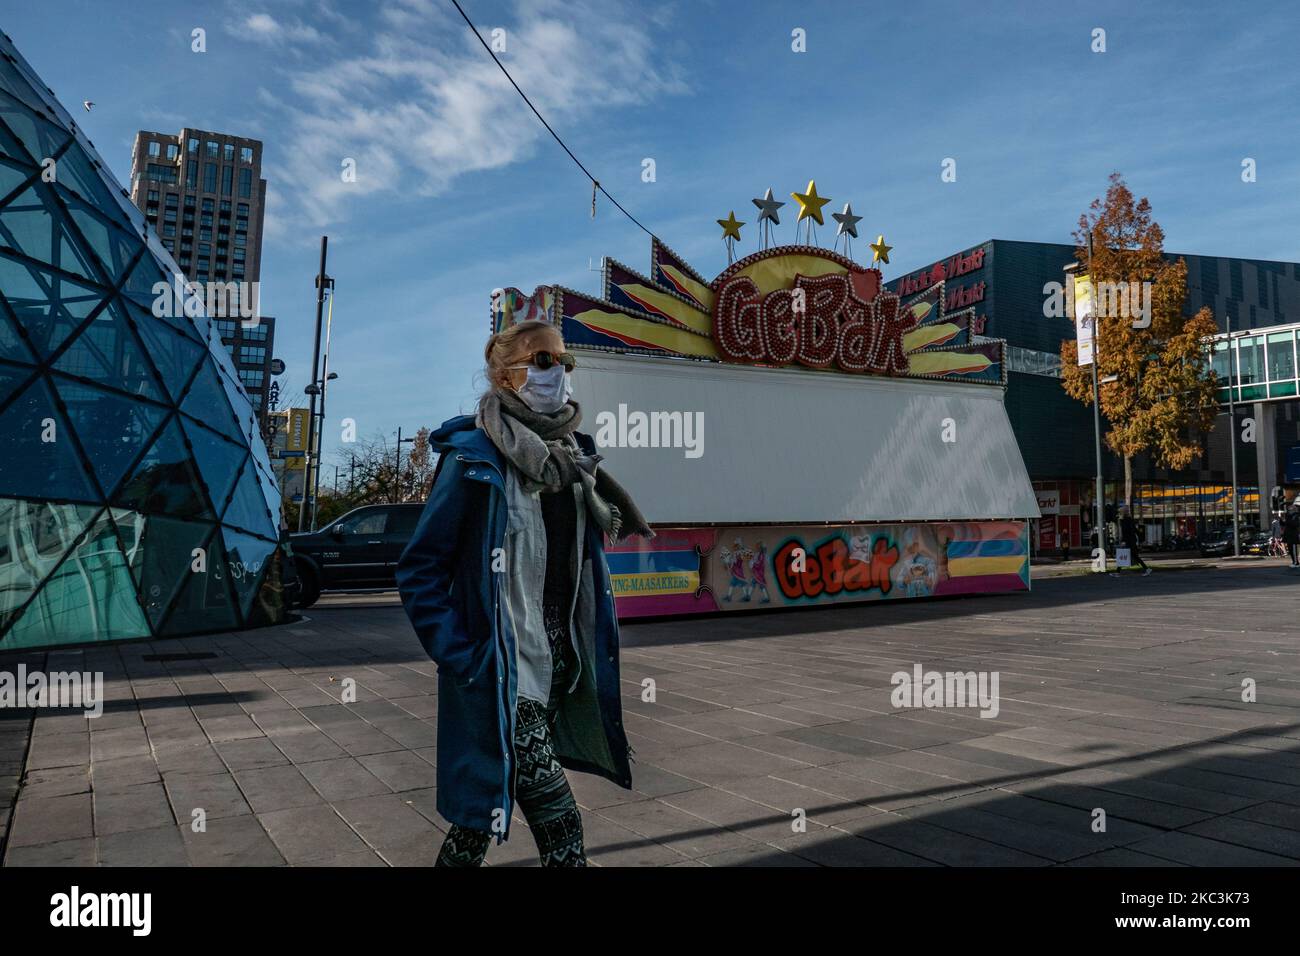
x=541 y=788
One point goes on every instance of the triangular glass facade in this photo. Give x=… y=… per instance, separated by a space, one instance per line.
x=135 y=491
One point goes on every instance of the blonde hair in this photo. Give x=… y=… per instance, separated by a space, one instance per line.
x=503 y=344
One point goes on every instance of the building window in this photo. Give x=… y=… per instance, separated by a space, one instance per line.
x=229 y=152
x=170 y=216
x=252 y=354
x=227 y=179
x=241 y=242
x=212 y=149
x=172 y=200
x=162 y=173
x=226 y=327
x=242 y=210
x=209 y=177
x=225 y=206
x=205 y=233
x=192 y=147
x=256 y=334
x=246 y=183
x=169 y=229
x=153 y=150
x=246 y=154
x=192 y=174
x=172 y=152
x=152 y=195
x=189 y=202
x=252 y=377
x=204 y=249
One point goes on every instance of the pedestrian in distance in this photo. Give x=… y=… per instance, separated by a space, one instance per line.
x=1129 y=535
x=1291 y=535
x=507 y=587
x=1276 y=547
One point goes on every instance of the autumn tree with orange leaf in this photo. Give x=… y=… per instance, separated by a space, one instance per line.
x=1162 y=400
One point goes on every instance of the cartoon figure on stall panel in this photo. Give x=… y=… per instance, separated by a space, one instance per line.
x=917 y=571
x=860 y=548
x=758 y=570
x=736 y=560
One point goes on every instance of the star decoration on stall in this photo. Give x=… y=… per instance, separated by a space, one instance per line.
x=810 y=204
x=730 y=226
x=880 y=251
x=848 y=222
x=767 y=208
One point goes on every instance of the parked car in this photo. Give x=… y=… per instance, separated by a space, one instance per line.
x=358 y=550
x=1256 y=543
x=1218 y=544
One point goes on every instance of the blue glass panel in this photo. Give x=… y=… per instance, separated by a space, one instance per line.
x=89 y=597
x=219 y=461
x=174 y=355
x=162 y=554
x=12 y=346
x=247 y=561
x=204 y=602
x=106 y=351
x=47 y=305
x=33 y=224
x=114 y=247
x=112 y=429
x=12 y=378
x=39 y=460
x=206 y=402
x=165 y=480
x=12 y=176
x=37 y=536
x=248 y=506
x=38 y=137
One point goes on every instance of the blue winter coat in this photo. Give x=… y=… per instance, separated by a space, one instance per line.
x=453 y=596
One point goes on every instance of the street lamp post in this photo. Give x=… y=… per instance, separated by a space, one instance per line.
x=309 y=461
x=1232 y=430
x=1099 y=506
x=397 y=482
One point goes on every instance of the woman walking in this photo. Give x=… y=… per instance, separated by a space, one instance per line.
x=506 y=586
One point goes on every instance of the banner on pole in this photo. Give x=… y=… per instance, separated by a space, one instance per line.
x=1085 y=322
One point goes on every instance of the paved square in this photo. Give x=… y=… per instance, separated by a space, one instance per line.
x=1117 y=693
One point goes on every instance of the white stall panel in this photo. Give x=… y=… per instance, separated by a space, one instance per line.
x=797 y=445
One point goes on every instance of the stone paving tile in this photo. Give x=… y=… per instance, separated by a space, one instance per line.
x=230 y=841
x=313 y=834
x=141 y=807
x=61 y=853
x=216 y=794
x=753 y=718
x=160 y=846
x=342 y=779
x=276 y=788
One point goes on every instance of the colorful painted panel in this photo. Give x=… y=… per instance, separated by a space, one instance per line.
x=662 y=575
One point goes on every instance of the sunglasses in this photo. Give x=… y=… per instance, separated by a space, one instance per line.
x=545 y=360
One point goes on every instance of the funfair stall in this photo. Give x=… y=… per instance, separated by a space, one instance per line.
x=794 y=433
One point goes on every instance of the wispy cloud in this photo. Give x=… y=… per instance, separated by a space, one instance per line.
x=418 y=103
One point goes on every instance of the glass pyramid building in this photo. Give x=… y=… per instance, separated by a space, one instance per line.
x=136 y=495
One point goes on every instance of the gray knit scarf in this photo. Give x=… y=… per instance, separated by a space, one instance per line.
x=543 y=449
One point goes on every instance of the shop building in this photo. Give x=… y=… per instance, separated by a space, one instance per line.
x=1255 y=303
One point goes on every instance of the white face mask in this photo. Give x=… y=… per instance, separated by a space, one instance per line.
x=546 y=391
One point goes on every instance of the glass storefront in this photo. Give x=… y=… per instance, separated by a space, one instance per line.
x=136 y=496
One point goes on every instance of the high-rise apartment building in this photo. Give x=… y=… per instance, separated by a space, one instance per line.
x=204 y=194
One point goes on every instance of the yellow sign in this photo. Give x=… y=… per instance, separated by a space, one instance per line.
x=296 y=439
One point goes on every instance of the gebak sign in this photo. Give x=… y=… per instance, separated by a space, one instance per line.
x=830 y=569
x=840 y=320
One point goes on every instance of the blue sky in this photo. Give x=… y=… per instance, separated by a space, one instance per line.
x=459 y=190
